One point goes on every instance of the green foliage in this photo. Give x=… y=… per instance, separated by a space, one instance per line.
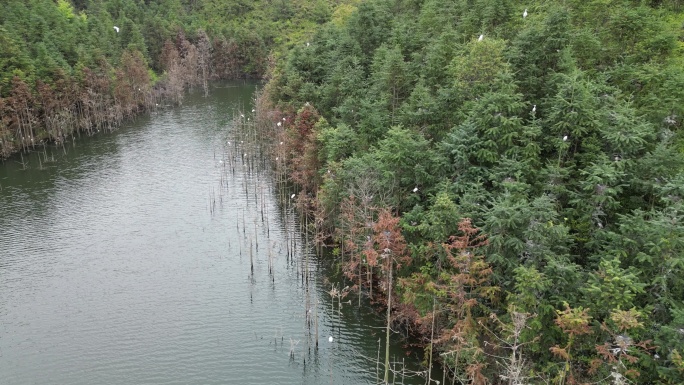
x=337 y=143
x=70 y=54
x=559 y=134
x=612 y=287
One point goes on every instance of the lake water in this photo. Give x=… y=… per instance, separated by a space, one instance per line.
x=126 y=258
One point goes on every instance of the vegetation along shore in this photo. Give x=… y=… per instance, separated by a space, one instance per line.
x=504 y=178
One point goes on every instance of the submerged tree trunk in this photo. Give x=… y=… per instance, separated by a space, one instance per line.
x=389 y=320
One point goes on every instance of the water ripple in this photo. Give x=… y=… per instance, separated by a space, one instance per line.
x=114 y=270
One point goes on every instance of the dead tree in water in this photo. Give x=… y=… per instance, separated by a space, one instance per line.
x=21 y=102
x=203 y=59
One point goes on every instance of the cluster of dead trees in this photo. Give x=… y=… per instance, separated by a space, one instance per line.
x=101 y=97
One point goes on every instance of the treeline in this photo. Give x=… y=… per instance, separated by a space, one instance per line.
x=512 y=170
x=86 y=65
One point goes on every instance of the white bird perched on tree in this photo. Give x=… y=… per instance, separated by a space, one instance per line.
x=565 y=138
x=292 y=196
x=415 y=189
x=525 y=13
x=534 y=108
x=116 y=29
x=480 y=38
x=330 y=339
x=279 y=124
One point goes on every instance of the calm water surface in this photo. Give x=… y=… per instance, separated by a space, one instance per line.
x=125 y=259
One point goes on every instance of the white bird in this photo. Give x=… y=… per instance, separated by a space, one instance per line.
x=283 y=119
x=307 y=44
x=281 y=143
x=525 y=13
x=292 y=196
x=534 y=108
x=116 y=29
x=253 y=110
x=415 y=189
x=279 y=124
x=480 y=38
x=242 y=115
x=330 y=339
x=565 y=138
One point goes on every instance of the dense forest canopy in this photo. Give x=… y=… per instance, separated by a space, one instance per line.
x=531 y=154
x=512 y=170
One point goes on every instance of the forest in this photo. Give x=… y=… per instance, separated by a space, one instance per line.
x=503 y=177
x=87 y=65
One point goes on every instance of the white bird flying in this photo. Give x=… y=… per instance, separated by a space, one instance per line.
x=279 y=124
x=116 y=29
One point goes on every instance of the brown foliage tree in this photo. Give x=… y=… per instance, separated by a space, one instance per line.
x=226 y=61
x=302 y=146
x=22 y=118
x=461 y=290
